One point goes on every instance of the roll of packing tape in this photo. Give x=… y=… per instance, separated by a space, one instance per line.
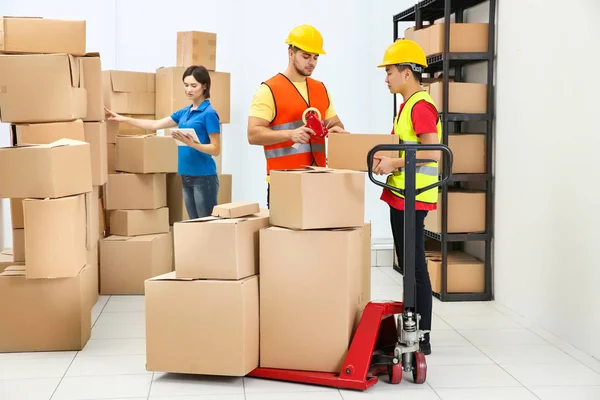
x=310 y=109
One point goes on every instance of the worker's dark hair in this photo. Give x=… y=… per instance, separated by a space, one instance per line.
x=293 y=48
x=201 y=75
x=418 y=75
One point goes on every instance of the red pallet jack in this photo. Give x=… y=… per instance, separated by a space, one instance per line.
x=388 y=335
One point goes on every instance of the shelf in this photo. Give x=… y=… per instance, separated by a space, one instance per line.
x=470 y=178
x=458 y=237
x=463 y=296
x=435 y=62
x=434 y=9
x=456 y=117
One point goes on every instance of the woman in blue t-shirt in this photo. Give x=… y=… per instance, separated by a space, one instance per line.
x=195 y=163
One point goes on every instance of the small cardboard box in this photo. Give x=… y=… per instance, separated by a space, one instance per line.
x=467 y=98
x=114 y=129
x=40 y=35
x=129 y=92
x=139 y=222
x=464 y=37
x=61 y=97
x=469 y=153
x=202 y=326
x=317 y=198
x=466 y=274
x=61 y=168
x=350 y=151
x=92 y=81
x=136 y=191
x=236 y=209
x=231 y=247
x=466 y=213
x=46 y=133
x=197 y=48
x=95 y=135
x=126 y=262
x=146 y=154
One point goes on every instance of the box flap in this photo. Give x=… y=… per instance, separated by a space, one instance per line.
x=66 y=142
x=131 y=81
x=236 y=209
x=143 y=238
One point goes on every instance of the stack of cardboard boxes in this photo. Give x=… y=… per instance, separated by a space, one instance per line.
x=52 y=176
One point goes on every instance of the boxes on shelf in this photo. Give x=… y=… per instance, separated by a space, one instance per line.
x=41 y=35
x=129 y=92
x=350 y=151
x=465 y=274
x=464 y=37
x=463 y=97
x=197 y=48
x=146 y=154
x=469 y=153
x=466 y=213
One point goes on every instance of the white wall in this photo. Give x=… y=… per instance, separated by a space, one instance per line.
x=251 y=47
x=547 y=142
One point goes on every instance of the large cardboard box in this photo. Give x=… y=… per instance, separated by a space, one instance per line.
x=44 y=314
x=61 y=168
x=466 y=213
x=170 y=94
x=317 y=198
x=146 y=154
x=468 y=152
x=310 y=295
x=139 y=222
x=350 y=151
x=114 y=129
x=464 y=97
x=197 y=48
x=61 y=97
x=55 y=237
x=126 y=262
x=202 y=326
x=177 y=210
x=465 y=274
x=231 y=244
x=129 y=92
x=39 y=35
x=95 y=135
x=464 y=37
x=420 y=36
x=136 y=191
x=46 y=133
x=92 y=81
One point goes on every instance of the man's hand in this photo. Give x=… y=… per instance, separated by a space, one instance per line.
x=113 y=116
x=338 y=129
x=185 y=138
x=386 y=165
x=301 y=135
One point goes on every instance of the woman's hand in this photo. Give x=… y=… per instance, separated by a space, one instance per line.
x=113 y=116
x=385 y=166
x=185 y=138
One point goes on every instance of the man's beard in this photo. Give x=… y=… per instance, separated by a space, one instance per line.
x=301 y=72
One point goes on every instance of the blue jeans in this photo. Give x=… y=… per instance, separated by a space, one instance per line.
x=200 y=194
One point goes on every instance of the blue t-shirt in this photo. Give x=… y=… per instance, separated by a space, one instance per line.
x=203 y=120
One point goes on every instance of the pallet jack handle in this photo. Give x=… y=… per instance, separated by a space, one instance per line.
x=410 y=193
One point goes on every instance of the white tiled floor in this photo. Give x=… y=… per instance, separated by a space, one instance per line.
x=481 y=351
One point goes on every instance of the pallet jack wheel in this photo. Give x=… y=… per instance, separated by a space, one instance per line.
x=419 y=367
x=395 y=373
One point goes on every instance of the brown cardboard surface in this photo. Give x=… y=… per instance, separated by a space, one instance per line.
x=95 y=135
x=92 y=217
x=177 y=210
x=129 y=92
x=114 y=129
x=466 y=213
x=40 y=35
x=46 y=133
x=62 y=97
x=317 y=198
x=92 y=81
x=350 y=151
x=7 y=260
x=16 y=213
x=126 y=262
x=213 y=326
x=197 y=48
x=18 y=242
x=468 y=98
x=52 y=255
x=93 y=282
x=139 y=222
x=464 y=37
x=136 y=191
x=469 y=153
x=61 y=168
x=146 y=154
x=231 y=247
x=465 y=274
x=236 y=209
x=111 y=158
x=310 y=295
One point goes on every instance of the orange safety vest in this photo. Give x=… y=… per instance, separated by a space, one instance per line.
x=289 y=106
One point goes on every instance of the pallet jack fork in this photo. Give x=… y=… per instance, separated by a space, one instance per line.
x=388 y=334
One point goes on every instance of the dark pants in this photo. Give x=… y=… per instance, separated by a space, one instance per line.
x=268 y=194
x=424 y=293
x=200 y=194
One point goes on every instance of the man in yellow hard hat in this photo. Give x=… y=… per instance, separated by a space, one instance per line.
x=417 y=122
x=276 y=113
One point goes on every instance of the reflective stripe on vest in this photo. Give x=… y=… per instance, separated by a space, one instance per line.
x=426 y=174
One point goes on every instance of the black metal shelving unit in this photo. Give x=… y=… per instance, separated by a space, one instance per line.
x=430 y=11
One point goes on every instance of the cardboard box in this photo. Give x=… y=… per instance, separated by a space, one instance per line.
x=139 y=222
x=466 y=213
x=469 y=153
x=177 y=210
x=465 y=274
x=197 y=48
x=129 y=92
x=317 y=198
x=231 y=247
x=136 y=191
x=213 y=326
x=61 y=168
x=7 y=260
x=61 y=97
x=16 y=213
x=467 y=98
x=420 y=36
x=170 y=93
x=114 y=129
x=126 y=262
x=350 y=151
x=95 y=135
x=92 y=205
x=92 y=81
x=93 y=283
x=310 y=295
x=236 y=209
x=464 y=37
x=55 y=237
x=146 y=154
x=46 y=133
x=18 y=242
x=40 y=35
x=111 y=158
x=44 y=314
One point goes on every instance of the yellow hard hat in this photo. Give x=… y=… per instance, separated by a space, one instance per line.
x=404 y=51
x=306 y=38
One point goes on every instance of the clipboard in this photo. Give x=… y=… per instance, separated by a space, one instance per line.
x=191 y=131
